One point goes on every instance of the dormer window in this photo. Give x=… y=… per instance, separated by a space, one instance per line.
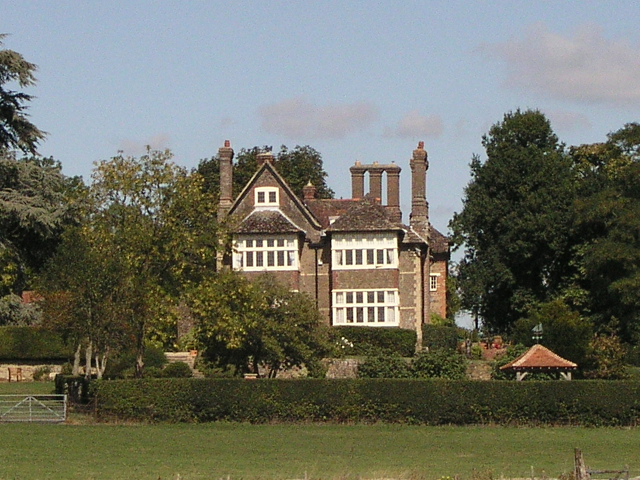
x=267 y=197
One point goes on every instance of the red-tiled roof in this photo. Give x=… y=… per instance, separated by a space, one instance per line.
x=364 y=216
x=326 y=210
x=539 y=357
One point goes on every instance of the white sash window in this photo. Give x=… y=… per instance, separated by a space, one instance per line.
x=265 y=252
x=364 y=251
x=372 y=308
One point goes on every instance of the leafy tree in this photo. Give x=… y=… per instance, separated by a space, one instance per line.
x=158 y=219
x=84 y=295
x=607 y=219
x=515 y=222
x=565 y=332
x=257 y=324
x=298 y=167
x=34 y=209
x=16 y=131
x=14 y=312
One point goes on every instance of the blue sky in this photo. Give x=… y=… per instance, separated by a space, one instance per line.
x=357 y=80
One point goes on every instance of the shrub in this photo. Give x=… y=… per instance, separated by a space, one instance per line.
x=177 y=370
x=435 y=337
x=373 y=341
x=123 y=365
x=606 y=358
x=447 y=364
x=384 y=366
x=41 y=373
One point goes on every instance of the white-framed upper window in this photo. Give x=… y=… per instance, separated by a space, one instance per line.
x=371 y=307
x=256 y=253
x=433 y=282
x=364 y=250
x=267 y=196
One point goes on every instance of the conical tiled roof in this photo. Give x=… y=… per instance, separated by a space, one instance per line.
x=539 y=357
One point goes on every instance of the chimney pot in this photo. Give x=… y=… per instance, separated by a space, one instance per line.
x=227 y=143
x=421 y=145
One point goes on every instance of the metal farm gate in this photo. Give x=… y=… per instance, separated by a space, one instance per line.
x=33 y=408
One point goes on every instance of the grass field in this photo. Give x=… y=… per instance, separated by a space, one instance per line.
x=214 y=451
x=12 y=388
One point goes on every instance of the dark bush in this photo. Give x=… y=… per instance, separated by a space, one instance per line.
x=384 y=366
x=123 y=365
x=177 y=370
x=435 y=337
x=77 y=388
x=373 y=341
x=425 y=402
x=441 y=363
x=33 y=343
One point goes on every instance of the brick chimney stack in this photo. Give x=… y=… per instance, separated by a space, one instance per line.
x=309 y=191
x=375 y=181
x=419 y=217
x=264 y=157
x=225 y=156
x=393 y=192
x=357 y=180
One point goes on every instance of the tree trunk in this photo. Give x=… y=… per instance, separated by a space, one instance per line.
x=101 y=362
x=88 y=354
x=76 y=361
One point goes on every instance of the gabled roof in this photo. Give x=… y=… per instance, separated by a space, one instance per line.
x=437 y=241
x=267 y=221
x=364 y=216
x=539 y=358
x=267 y=166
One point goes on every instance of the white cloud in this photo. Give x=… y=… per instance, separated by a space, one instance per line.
x=296 y=118
x=414 y=125
x=585 y=67
x=568 y=121
x=135 y=147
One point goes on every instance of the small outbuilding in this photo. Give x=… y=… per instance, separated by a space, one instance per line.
x=540 y=359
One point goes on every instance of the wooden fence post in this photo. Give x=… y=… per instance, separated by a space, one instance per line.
x=580 y=470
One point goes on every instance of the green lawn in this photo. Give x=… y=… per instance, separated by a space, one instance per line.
x=11 y=388
x=214 y=451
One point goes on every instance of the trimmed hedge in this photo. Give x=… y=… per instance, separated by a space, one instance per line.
x=425 y=402
x=374 y=340
x=436 y=337
x=33 y=343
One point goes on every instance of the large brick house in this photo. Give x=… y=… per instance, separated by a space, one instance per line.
x=353 y=256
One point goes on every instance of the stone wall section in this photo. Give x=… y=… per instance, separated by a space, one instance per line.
x=26 y=371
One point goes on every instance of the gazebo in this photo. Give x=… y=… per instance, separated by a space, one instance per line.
x=540 y=359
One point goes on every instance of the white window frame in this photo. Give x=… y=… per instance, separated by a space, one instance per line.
x=361 y=251
x=373 y=307
x=266 y=197
x=434 y=282
x=259 y=253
